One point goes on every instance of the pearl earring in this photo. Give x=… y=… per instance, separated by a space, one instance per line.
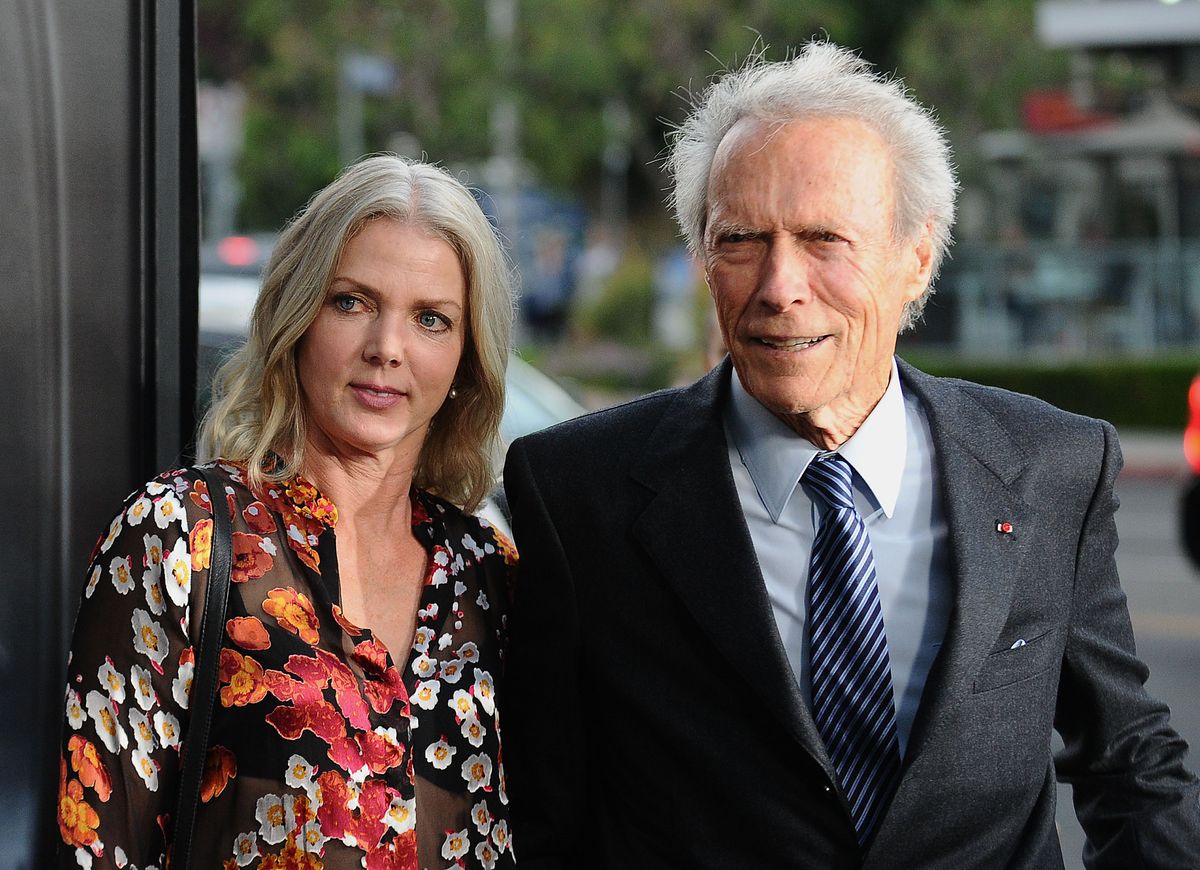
x=453 y=394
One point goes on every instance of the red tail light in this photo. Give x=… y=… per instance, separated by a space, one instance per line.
x=1191 y=435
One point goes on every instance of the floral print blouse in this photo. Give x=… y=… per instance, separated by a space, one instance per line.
x=324 y=752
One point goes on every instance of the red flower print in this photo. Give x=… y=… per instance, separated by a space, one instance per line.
x=249 y=560
x=337 y=819
x=244 y=679
x=294 y=612
x=381 y=684
x=248 y=632
x=349 y=699
x=420 y=516
x=77 y=821
x=220 y=766
x=85 y=761
x=309 y=708
x=200 y=544
x=399 y=853
x=347 y=626
x=377 y=752
x=259 y=518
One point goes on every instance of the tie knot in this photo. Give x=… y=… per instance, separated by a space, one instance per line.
x=832 y=477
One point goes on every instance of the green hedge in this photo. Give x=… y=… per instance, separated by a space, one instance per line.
x=1136 y=393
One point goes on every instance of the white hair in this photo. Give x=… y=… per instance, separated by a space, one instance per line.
x=822 y=79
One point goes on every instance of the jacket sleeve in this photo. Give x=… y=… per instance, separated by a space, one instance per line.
x=545 y=734
x=128 y=680
x=1138 y=805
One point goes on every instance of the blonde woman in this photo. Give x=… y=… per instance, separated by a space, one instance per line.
x=357 y=720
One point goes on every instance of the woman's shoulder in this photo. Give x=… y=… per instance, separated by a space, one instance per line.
x=463 y=529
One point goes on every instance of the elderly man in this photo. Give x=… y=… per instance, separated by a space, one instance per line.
x=820 y=609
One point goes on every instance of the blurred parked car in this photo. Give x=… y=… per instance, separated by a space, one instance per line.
x=1190 y=504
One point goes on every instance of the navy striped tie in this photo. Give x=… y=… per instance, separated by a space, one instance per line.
x=852 y=696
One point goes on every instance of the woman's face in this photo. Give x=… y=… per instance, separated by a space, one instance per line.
x=378 y=361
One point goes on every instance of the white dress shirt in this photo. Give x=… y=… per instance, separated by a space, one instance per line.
x=895 y=491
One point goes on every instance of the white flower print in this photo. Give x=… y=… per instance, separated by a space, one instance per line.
x=422 y=639
x=473 y=731
x=485 y=691
x=166 y=727
x=149 y=638
x=482 y=817
x=459 y=588
x=181 y=686
x=500 y=835
x=154 y=488
x=426 y=694
x=92 y=581
x=112 y=680
x=272 y=813
x=120 y=857
x=456 y=845
x=177 y=572
x=477 y=771
x=83 y=858
x=138 y=511
x=401 y=815
x=121 y=571
x=108 y=726
x=452 y=670
x=427 y=613
x=167 y=510
x=502 y=782
x=469 y=652
x=299 y=774
x=245 y=848
x=154 y=593
x=424 y=667
x=470 y=544
x=482 y=600
x=439 y=754
x=154 y=554
x=268 y=546
x=445 y=640
x=143 y=689
x=146 y=769
x=75 y=715
x=114 y=530
x=463 y=705
x=486 y=854
x=143 y=731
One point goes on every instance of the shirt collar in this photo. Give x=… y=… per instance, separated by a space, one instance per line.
x=777 y=457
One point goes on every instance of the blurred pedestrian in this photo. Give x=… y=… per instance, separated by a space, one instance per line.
x=348 y=438
x=821 y=609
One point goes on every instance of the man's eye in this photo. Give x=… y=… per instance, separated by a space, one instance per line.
x=827 y=236
x=738 y=238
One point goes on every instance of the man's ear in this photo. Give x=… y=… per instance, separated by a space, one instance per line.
x=920 y=254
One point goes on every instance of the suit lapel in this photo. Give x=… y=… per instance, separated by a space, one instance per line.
x=694 y=531
x=978 y=469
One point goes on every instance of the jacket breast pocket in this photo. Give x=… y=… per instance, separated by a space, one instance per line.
x=1026 y=659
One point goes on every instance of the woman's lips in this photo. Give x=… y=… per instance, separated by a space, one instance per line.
x=377 y=397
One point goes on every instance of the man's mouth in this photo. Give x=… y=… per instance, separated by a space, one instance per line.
x=792 y=343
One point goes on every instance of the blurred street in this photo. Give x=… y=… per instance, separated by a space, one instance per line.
x=1164 y=599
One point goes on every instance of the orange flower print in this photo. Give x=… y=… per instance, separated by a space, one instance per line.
x=244 y=679
x=220 y=766
x=259 y=519
x=250 y=561
x=248 y=632
x=199 y=495
x=347 y=626
x=77 y=821
x=506 y=547
x=294 y=612
x=200 y=543
x=311 y=503
x=291 y=858
x=85 y=760
x=301 y=533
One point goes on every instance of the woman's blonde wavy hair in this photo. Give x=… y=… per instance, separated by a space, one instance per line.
x=257 y=414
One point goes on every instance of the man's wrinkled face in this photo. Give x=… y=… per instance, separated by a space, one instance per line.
x=808 y=280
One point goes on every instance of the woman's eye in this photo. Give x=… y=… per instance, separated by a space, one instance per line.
x=344 y=302
x=434 y=321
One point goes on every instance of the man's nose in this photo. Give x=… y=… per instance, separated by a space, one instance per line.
x=784 y=280
x=384 y=344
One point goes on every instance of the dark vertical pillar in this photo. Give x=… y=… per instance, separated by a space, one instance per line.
x=98 y=239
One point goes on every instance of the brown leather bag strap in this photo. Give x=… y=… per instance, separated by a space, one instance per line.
x=205 y=675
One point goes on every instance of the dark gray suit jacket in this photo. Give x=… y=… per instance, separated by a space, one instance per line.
x=652 y=719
